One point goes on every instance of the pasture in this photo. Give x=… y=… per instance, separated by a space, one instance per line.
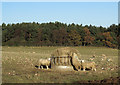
x=18 y=65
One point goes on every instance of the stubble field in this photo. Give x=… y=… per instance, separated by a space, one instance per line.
x=18 y=65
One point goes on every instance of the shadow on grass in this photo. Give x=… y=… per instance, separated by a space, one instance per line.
x=44 y=67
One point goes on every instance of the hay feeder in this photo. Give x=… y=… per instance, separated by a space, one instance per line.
x=61 y=63
x=61 y=59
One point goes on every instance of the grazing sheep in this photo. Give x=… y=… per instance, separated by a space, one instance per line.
x=88 y=65
x=44 y=62
x=76 y=62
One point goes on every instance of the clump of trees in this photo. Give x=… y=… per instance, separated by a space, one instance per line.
x=59 y=34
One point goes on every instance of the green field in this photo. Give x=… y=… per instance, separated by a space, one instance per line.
x=18 y=65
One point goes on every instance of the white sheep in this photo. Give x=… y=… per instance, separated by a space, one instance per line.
x=88 y=65
x=44 y=62
x=76 y=62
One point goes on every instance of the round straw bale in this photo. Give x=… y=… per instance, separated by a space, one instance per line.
x=64 y=52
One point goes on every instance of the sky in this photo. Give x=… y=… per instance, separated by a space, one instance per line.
x=60 y=0
x=86 y=13
x=119 y=12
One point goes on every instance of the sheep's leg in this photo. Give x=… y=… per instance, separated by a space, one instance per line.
x=42 y=67
x=83 y=68
x=94 y=69
x=79 y=68
x=39 y=67
x=47 y=67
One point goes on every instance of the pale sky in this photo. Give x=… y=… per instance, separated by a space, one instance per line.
x=94 y=13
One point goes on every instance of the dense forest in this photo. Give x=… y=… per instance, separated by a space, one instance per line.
x=59 y=34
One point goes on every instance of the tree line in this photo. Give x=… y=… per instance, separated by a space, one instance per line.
x=59 y=34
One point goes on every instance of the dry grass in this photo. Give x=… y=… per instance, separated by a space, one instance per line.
x=18 y=65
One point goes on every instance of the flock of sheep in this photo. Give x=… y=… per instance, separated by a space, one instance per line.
x=82 y=64
x=76 y=63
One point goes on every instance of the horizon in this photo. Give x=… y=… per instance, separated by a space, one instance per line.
x=59 y=22
x=95 y=13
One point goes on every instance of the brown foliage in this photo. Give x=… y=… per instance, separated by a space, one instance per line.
x=59 y=36
x=87 y=31
x=88 y=39
x=74 y=38
x=107 y=36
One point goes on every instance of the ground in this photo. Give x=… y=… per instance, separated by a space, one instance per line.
x=18 y=65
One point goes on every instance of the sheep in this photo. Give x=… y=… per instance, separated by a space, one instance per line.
x=76 y=62
x=88 y=65
x=44 y=62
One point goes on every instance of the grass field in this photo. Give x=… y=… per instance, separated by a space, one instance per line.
x=18 y=65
